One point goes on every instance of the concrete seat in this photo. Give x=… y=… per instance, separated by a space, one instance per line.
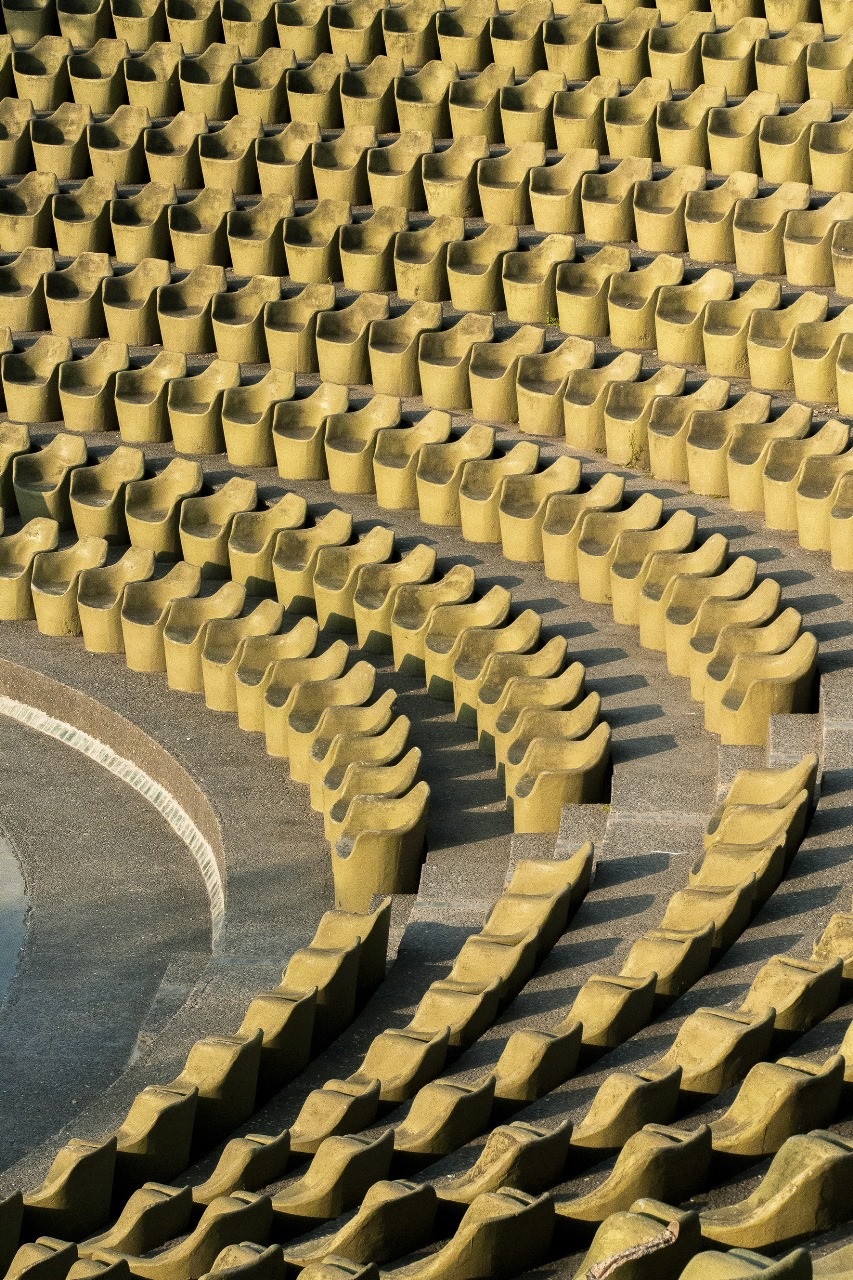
x=41 y=481
x=295 y=558
x=709 y=217
x=760 y=685
x=184 y=310
x=30 y=379
x=171 y=150
x=785 y=461
x=682 y=127
x=627 y=411
x=151 y=77
x=394 y=170
x=421 y=98
x=446 y=629
x=227 y=155
x=311 y=242
x=709 y=438
x=440 y=470
x=259 y=84
x=73 y=296
x=579 y=114
x=18 y=553
x=247 y=418
x=141 y=395
x=413 y=609
x=555 y=191
x=336 y=574
x=481 y=487
x=99 y=599
x=236 y=318
x=152 y=507
x=262 y=661
x=607 y=199
x=367 y=96
x=186 y=630
x=139 y=223
x=313 y=92
x=252 y=541
x=396 y=458
x=97 y=494
x=733 y=132
x=725 y=325
x=770 y=338
x=568 y=40
x=516 y=37
x=290 y=327
x=145 y=610
x=194 y=406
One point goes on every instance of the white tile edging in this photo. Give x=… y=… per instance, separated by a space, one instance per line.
x=151 y=790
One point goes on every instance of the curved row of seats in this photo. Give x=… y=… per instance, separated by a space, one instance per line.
x=437 y=629
x=489 y=970
x=414 y=31
x=631 y=1113
x=577 y=45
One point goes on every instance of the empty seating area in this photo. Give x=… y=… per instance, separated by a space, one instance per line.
x=439 y=415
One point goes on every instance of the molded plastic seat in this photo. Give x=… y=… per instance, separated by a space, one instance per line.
x=152 y=507
x=140 y=398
